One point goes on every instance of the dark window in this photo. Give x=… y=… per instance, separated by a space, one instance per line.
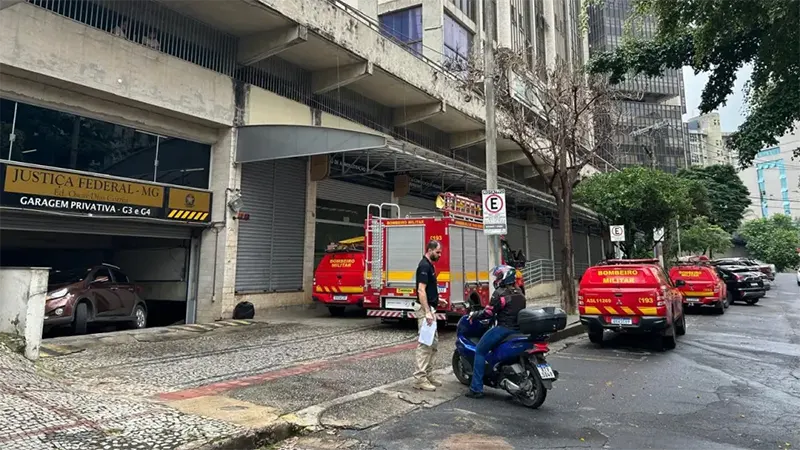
x=120 y=277
x=457 y=41
x=59 y=139
x=466 y=6
x=405 y=27
x=102 y=275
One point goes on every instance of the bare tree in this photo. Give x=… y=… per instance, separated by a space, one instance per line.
x=562 y=123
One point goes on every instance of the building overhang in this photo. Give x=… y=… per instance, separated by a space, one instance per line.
x=435 y=173
x=271 y=142
x=363 y=157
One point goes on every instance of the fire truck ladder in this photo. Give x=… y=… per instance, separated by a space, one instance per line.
x=374 y=245
x=460 y=207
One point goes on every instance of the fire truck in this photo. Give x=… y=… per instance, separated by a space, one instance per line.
x=395 y=245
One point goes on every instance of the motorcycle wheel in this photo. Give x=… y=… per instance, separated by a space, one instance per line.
x=537 y=395
x=458 y=370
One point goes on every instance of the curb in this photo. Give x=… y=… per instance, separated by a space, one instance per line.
x=249 y=439
x=572 y=329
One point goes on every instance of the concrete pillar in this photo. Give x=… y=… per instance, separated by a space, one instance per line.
x=22 y=303
x=311 y=230
x=433 y=30
x=503 y=24
x=218 y=244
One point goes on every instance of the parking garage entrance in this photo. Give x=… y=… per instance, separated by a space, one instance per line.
x=141 y=248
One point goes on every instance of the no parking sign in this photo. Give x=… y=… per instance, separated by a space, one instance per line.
x=494 y=212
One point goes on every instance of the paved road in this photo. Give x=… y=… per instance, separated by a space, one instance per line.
x=733 y=382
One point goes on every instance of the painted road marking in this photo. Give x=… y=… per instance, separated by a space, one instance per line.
x=301 y=369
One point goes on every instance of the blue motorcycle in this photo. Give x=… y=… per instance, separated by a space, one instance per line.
x=518 y=363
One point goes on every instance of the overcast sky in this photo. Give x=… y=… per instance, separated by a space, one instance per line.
x=732 y=114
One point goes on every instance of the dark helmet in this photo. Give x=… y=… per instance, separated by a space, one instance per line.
x=504 y=275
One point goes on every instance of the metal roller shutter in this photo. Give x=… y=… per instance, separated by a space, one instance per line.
x=470 y=255
x=405 y=247
x=270 y=245
x=596 y=246
x=557 y=246
x=580 y=247
x=61 y=223
x=538 y=243
x=516 y=235
x=483 y=257
x=456 y=264
x=342 y=191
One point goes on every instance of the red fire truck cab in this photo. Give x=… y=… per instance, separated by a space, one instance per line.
x=395 y=245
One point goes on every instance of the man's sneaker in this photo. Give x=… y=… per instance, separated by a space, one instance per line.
x=473 y=394
x=434 y=381
x=424 y=385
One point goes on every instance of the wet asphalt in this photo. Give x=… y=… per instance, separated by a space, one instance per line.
x=732 y=382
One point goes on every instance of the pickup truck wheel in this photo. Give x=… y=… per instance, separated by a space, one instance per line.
x=336 y=311
x=668 y=341
x=680 y=328
x=596 y=337
x=81 y=320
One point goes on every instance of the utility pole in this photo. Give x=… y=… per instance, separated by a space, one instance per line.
x=491 y=126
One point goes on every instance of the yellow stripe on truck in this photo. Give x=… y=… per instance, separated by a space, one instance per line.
x=397 y=275
x=592 y=310
x=611 y=310
x=628 y=310
x=648 y=310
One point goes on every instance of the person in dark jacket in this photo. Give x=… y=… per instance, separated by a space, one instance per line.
x=507 y=301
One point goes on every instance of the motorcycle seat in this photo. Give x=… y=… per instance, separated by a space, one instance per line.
x=515 y=336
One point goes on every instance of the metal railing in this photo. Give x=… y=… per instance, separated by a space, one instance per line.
x=543 y=270
x=540 y=271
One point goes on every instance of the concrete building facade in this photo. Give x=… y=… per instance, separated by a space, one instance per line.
x=266 y=126
x=706 y=143
x=654 y=134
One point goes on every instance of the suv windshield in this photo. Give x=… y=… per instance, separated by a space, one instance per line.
x=67 y=276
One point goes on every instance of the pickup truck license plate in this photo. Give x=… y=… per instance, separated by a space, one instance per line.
x=621 y=321
x=340 y=298
x=397 y=303
x=753 y=284
x=546 y=371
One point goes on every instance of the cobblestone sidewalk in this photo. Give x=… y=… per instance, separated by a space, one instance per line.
x=39 y=412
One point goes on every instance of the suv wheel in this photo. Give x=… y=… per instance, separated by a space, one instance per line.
x=139 y=317
x=81 y=320
x=728 y=299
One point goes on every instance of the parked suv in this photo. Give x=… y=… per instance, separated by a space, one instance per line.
x=766 y=269
x=78 y=297
x=631 y=296
x=743 y=283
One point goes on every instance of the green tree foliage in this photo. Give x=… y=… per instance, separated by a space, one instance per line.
x=640 y=198
x=703 y=237
x=774 y=240
x=721 y=36
x=727 y=195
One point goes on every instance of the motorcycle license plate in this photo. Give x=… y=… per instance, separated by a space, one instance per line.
x=342 y=298
x=546 y=371
x=621 y=321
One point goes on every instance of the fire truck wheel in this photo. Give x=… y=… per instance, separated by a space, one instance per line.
x=336 y=311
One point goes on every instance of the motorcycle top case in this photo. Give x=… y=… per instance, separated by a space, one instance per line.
x=541 y=321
